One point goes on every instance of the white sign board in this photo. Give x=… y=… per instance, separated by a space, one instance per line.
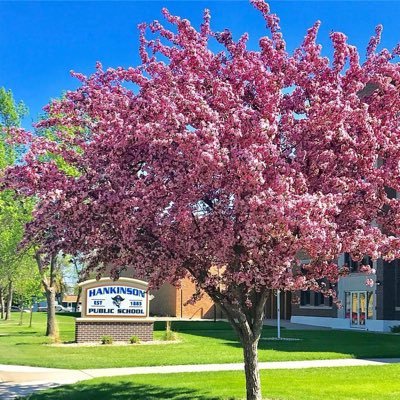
x=116 y=300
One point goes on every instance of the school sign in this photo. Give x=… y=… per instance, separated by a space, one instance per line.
x=119 y=309
x=116 y=301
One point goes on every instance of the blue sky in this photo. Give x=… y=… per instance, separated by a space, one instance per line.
x=40 y=42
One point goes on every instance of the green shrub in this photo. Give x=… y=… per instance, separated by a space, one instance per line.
x=169 y=334
x=134 y=339
x=106 y=339
x=395 y=329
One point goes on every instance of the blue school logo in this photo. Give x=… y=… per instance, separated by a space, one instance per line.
x=117 y=300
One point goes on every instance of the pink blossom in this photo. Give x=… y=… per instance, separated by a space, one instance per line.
x=370 y=282
x=223 y=167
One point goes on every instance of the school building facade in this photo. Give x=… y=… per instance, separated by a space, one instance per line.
x=373 y=308
x=171 y=301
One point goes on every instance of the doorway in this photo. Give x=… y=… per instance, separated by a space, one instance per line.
x=358 y=309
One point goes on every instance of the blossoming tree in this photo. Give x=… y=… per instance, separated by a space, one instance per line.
x=236 y=161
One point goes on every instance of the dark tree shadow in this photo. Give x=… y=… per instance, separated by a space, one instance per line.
x=119 y=391
x=353 y=343
x=218 y=330
x=21 y=333
x=189 y=326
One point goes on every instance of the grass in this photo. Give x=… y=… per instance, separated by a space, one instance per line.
x=200 y=343
x=351 y=383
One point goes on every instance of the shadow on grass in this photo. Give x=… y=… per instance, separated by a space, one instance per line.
x=119 y=391
x=189 y=326
x=359 y=344
x=355 y=344
x=16 y=334
x=33 y=344
x=209 y=329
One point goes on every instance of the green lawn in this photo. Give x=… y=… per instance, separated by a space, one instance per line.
x=372 y=383
x=201 y=343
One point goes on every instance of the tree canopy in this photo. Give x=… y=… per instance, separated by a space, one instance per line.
x=224 y=167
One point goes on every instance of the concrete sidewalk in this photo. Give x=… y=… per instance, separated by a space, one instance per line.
x=18 y=380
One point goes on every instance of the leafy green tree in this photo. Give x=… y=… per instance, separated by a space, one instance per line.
x=49 y=266
x=14 y=264
x=52 y=267
x=28 y=286
x=11 y=114
x=15 y=211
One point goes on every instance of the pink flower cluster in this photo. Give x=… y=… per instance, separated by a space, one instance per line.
x=223 y=166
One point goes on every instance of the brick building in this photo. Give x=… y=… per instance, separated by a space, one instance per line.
x=170 y=301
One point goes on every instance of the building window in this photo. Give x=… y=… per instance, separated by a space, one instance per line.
x=354 y=266
x=347 y=305
x=318 y=299
x=397 y=284
x=314 y=299
x=370 y=305
x=305 y=298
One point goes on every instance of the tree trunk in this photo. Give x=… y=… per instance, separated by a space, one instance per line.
x=51 y=329
x=48 y=274
x=1 y=303
x=21 y=313
x=9 y=300
x=249 y=335
x=248 y=325
x=247 y=321
x=31 y=315
x=253 y=382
